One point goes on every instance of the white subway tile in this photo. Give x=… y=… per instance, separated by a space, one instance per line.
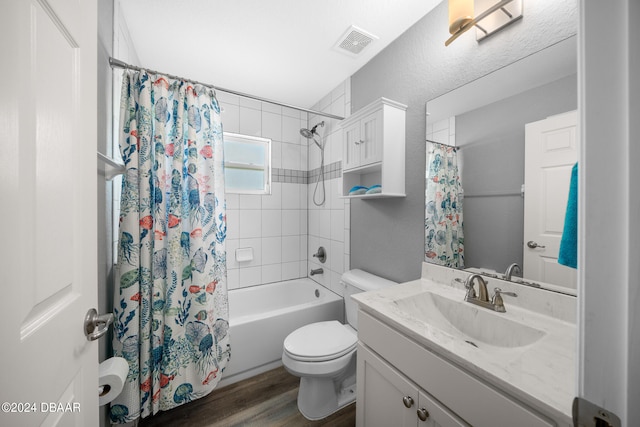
x=271 y=273
x=230 y=118
x=304 y=216
x=290 y=220
x=273 y=200
x=250 y=276
x=233 y=201
x=250 y=121
x=337 y=261
x=291 y=130
x=271 y=126
x=231 y=246
x=271 y=250
x=233 y=278
x=250 y=201
x=233 y=224
x=324 y=223
x=337 y=225
x=291 y=195
x=290 y=156
x=271 y=223
x=276 y=154
x=303 y=196
x=304 y=246
x=290 y=248
x=290 y=270
x=250 y=223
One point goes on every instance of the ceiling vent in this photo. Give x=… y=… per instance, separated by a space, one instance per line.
x=354 y=40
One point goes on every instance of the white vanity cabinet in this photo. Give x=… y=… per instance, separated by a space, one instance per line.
x=374 y=149
x=392 y=366
x=387 y=398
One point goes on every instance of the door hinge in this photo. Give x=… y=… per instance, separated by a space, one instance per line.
x=587 y=414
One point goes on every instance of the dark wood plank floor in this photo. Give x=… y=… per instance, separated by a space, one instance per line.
x=267 y=399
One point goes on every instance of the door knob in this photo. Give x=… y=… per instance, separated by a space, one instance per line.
x=531 y=244
x=96 y=326
x=408 y=401
x=423 y=414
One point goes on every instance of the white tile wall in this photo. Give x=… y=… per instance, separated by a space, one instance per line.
x=328 y=225
x=285 y=228
x=275 y=225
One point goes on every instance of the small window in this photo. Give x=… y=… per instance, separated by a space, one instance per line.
x=247 y=164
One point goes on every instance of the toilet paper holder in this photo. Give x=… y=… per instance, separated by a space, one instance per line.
x=96 y=326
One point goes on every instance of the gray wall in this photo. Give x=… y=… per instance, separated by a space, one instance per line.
x=493 y=161
x=387 y=235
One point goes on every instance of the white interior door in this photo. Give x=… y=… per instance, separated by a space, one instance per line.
x=48 y=211
x=550 y=151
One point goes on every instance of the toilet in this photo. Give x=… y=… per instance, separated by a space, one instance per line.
x=323 y=354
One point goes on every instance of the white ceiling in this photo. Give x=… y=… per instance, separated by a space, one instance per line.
x=277 y=49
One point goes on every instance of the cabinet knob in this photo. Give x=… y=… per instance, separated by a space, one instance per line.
x=408 y=401
x=358 y=142
x=423 y=414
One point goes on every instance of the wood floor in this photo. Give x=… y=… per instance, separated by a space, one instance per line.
x=265 y=400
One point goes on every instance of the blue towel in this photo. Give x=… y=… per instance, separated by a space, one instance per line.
x=374 y=189
x=569 y=243
x=357 y=190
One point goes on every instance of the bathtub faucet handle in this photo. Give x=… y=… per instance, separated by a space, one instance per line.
x=321 y=254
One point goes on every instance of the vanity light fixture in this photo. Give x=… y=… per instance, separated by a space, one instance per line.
x=494 y=16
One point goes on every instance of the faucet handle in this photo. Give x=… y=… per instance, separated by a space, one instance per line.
x=497 y=301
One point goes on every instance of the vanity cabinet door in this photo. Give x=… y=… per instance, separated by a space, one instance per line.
x=387 y=398
x=436 y=414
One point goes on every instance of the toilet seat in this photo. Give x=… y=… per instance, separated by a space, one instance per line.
x=321 y=341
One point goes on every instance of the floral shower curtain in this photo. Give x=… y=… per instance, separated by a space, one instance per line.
x=170 y=302
x=444 y=239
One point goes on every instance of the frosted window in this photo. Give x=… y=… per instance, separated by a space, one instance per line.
x=247 y=164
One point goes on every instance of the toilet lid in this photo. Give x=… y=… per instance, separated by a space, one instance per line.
x=320 y=341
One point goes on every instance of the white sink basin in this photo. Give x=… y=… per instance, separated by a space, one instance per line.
x=473 y=324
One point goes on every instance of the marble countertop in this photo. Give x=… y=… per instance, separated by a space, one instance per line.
x=541 y=374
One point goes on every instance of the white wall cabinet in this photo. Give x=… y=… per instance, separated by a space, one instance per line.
x=392 y=366
x=387 y=398
x=374 y=149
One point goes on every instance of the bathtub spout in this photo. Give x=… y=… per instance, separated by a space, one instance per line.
x=316 y=271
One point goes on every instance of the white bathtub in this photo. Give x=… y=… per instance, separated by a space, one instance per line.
x=260 y=318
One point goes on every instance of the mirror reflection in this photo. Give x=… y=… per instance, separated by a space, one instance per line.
x=510 y=138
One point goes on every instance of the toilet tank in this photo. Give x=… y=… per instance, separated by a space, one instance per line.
x=355 y=281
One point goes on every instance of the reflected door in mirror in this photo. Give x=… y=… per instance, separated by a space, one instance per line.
x=550 y=153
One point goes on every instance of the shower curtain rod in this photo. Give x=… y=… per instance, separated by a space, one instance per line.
x=116 y=63
x=442 y=143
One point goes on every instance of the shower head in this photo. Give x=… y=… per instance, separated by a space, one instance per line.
x=309 y=133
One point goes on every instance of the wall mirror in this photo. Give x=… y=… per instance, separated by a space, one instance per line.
x=501 y=124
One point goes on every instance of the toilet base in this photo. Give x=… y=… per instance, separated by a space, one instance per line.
x=319 y=397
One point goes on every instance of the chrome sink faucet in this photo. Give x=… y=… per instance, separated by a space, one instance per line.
x=513 y=268
x=482 y=298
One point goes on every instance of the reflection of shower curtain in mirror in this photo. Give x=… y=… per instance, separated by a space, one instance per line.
x=444 y=239
x=171 y=303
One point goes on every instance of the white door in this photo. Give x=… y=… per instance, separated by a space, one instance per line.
x=48 y=211
x=550 y=152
